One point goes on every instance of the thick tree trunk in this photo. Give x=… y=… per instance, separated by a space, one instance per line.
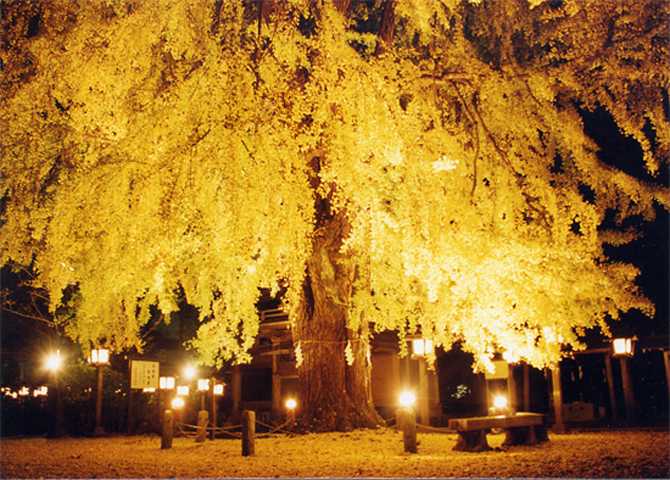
x=335 y=395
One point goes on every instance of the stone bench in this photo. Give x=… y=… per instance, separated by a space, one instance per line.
x=522 y=428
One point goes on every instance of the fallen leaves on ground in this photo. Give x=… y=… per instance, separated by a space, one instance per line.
x=369 y=453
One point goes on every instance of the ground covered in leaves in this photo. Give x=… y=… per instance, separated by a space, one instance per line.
x=641 y=454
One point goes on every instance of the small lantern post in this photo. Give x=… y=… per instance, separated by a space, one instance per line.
x=53 y=363
x=291 y=405
x=99 y=358
x=624 y=349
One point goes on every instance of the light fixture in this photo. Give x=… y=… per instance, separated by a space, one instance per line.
x=291 y=403
x=41 y=391
x=182 y=390
x=189 y=372
x=166 y=383
x=218 y=389
x=54 y=361
x=177 y=403
x=500 y=402
x=203 y=384
x=407 y=399
x=99 y=356
x=148 y=390
x=422 y=347
x=623 y=347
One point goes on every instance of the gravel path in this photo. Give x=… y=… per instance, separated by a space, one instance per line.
x=641 y=454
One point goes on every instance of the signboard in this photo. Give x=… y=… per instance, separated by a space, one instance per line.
x=500 y=372
x=143 y=374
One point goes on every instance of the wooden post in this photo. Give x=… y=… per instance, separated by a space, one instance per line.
x=168 y=430
x=160 y=409
x=628 y=393
x=130 y=419
x=399 y=419
x=203 y=420
x=511 y=389
x=557 y=396
x=526 y=387
x=408 y=429
x=610 y=387
x=666 y=362
x=55 y=400
x=99 y=430
x=236 y=390
x=424 y=406
x=248 y=433
x=212 y=432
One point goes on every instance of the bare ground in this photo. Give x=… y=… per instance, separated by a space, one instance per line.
x=641 y=454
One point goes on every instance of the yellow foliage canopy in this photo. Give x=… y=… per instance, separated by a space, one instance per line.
x=163 y=145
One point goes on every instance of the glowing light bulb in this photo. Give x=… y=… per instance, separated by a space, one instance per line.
x=500 y=402
x=407 y=399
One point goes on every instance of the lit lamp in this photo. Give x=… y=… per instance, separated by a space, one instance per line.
x=500 y=405
x=218 y=389
x=405 y=415
x=177 y=403
x=407 y=399
x=99 y=357
x=54 y=363
x=203 y=387
x=166 y=383
x=291 y=405
x=623 y=347
x=422 y=347
x=189 y=372
x=182 y=390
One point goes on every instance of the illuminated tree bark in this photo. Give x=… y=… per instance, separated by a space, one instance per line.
x=335 y=384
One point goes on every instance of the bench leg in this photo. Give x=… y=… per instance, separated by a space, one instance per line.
x=541 y=434
x=474 y=441
x=520 y=436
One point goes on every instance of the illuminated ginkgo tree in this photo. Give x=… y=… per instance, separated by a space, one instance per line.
x=408 y=165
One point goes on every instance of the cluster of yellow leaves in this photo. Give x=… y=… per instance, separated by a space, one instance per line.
x=156 y=150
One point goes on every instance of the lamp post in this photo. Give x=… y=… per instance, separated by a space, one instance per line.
x=99 y=358
x=217 y=391
x=164 y=383
x=406 y=420
x=291 y=405
x=53 y=363
x=624 y=349
x=203 y=387
x=424 y=351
